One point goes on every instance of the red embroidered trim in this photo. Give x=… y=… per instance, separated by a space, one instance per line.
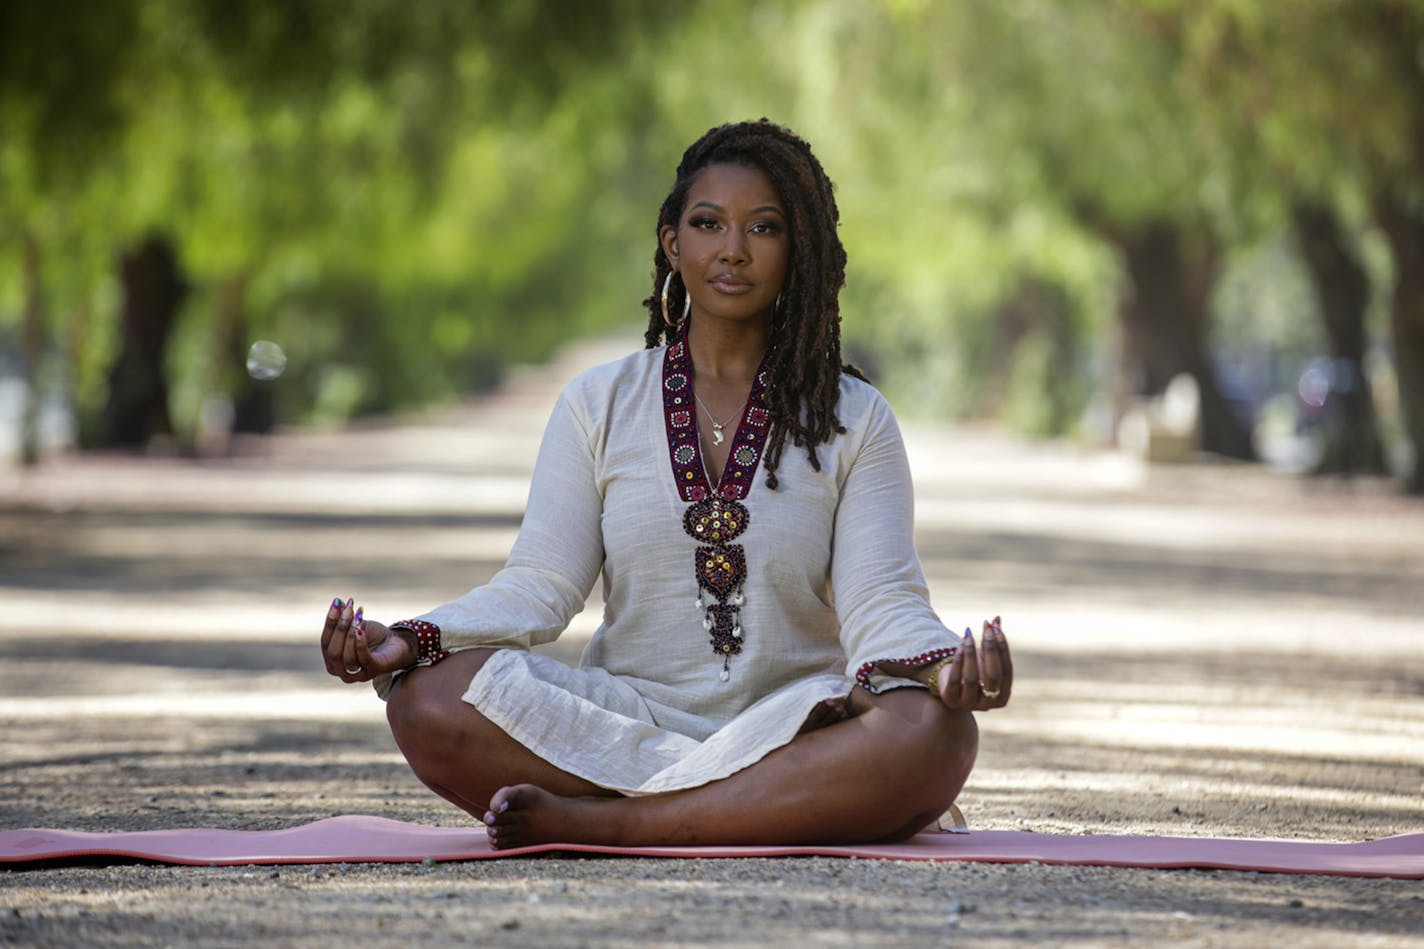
x=427 y=641
x=684 y=447
x=862 y=674
x=714 y=517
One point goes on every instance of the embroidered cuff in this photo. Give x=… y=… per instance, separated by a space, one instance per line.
x=427 y=641
x=862 y=675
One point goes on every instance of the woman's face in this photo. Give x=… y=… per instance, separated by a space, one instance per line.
x=731 y=245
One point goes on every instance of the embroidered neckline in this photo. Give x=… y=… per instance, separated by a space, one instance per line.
x=715 y=516
x=685 y=448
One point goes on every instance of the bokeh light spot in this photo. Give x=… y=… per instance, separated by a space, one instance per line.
x=265 y=360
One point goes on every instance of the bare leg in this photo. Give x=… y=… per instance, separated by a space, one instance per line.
x=881 y=775
x=457 y=752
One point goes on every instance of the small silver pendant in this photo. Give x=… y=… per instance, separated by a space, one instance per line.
x=717 y=436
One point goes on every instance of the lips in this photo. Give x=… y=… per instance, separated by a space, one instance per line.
x=729 y=283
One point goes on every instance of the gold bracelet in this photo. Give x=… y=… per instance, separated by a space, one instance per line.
x=932 y=673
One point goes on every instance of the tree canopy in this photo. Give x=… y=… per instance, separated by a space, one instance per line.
x=1044 y=204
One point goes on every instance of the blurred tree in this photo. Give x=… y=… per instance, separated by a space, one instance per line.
x=1092 y=93
x=1321 y=106
x=1260 y=75
x=1352 y=441
x=1396 y=31
x=299 y=156
x=137 y=406
x=61 y=67
x=408 y=196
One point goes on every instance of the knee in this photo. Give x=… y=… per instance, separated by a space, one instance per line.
x=426 y=711
x=934 y=749
x=413 y=713
x=947 y=741
x=955 y=747
x=925 y=730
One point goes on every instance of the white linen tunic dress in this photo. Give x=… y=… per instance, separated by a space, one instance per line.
x=833 y=583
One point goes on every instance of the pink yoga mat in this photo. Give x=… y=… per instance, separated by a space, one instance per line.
x=360 y=839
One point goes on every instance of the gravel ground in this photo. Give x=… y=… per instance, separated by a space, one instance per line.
x=1201 y=651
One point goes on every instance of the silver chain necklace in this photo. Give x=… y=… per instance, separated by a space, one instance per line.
x=717 y=436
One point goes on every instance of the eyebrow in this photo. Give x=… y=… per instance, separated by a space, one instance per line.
x=718 y=208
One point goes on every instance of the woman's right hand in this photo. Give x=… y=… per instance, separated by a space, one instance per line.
x=356 y=649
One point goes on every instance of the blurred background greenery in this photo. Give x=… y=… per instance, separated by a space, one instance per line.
x=1052 y=209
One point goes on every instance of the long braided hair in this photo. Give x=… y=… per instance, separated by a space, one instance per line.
x=804 y=364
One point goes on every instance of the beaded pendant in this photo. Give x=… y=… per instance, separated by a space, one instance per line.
x=715 y=516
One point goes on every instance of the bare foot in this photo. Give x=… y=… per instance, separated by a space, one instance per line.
x=523 y=815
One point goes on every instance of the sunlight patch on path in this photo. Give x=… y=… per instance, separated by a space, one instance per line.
x=333 y=704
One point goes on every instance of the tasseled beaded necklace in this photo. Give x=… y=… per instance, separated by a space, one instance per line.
x=714 y=517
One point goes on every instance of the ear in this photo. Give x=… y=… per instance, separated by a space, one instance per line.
x=667 y=236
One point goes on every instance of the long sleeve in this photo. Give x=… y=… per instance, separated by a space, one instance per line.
x=880 y=593
x=555 y=559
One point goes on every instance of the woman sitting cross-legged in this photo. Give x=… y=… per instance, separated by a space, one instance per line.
x=768 y=668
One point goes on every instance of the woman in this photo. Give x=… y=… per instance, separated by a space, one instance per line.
x=768 y=669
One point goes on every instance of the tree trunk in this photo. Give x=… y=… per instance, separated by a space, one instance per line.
x=153 y=287
x=1036 y=350
x=31 y=350
x=1405 y=231
x=1164 y=324
x=1352 y=441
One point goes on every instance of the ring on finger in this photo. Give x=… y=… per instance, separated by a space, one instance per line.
x=357 y=671
x=987 y=694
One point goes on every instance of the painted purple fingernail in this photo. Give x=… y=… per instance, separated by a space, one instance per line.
x=968 y=638
x=360 y=612
x=503 y=806
x=489 y=817
x=336 y=603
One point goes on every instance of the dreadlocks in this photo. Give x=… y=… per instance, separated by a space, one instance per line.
x=804 y=364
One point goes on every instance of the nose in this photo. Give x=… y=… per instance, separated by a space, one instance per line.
x=734 y=248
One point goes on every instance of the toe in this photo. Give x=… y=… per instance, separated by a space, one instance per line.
x=499 y=804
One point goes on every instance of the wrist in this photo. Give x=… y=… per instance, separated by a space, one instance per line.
x=423 y=637
x=915 y=668
x=929 y=675
x=412 y=646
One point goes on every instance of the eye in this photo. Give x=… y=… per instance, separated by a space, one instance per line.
x=702 y=223
x=766 y=227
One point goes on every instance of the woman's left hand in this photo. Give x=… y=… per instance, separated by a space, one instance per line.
x=982 y=678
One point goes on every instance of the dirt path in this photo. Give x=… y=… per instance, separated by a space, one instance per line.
x=1201 y=651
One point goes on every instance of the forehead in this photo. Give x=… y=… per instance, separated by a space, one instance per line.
x=733 y=186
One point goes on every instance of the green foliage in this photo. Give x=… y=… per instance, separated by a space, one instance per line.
x=410 y=196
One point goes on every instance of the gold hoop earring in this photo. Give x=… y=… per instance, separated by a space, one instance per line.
x=686 y=304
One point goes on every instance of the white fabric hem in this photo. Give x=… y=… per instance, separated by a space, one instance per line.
x=596 y=727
